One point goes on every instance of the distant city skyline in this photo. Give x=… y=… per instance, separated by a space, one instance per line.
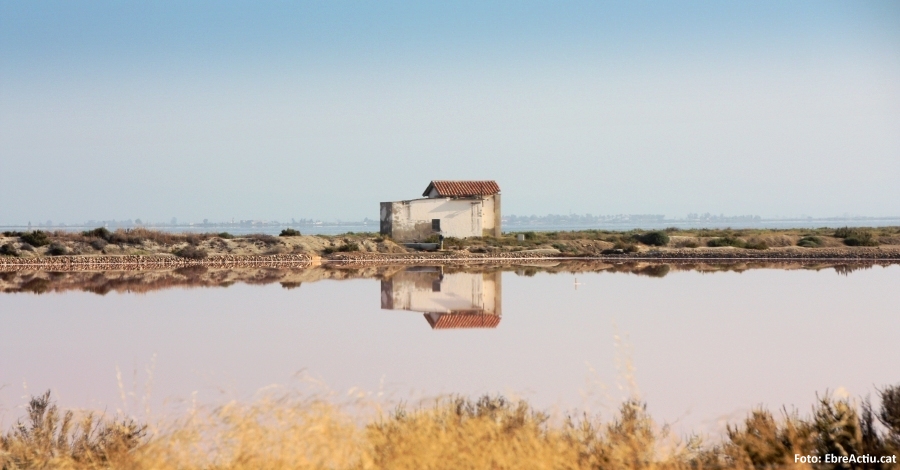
x=509 y=219
x=249 y=110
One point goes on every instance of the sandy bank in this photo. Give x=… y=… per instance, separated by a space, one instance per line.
x=140 y=262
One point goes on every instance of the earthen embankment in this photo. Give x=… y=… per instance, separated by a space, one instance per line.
x=139 y=262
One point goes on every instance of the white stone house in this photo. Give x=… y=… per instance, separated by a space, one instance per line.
x=457 y=209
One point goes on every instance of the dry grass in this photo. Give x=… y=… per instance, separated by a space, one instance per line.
x=290 y=432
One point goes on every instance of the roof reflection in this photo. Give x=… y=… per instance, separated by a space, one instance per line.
x=447 y=300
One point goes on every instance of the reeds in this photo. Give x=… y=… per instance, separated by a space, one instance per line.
x=291 y=432
x=51 y=439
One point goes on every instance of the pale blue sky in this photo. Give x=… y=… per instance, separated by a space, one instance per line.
x=322 y=109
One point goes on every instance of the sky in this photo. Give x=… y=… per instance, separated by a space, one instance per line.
x=280 y=110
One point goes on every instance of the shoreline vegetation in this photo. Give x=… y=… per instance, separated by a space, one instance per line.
x=293 y=431
x=100 y=247
x=143 y=278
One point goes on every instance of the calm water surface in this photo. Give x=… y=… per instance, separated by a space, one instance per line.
x=700 y=348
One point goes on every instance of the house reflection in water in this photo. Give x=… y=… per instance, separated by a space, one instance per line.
x=448 y=300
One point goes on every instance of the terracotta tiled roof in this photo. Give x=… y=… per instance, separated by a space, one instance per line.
x=463 y=188
x=448 y=321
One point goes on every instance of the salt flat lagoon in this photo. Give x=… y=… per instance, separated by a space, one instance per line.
x=700 y=347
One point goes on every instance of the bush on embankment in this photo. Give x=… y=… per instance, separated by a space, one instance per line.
x=810 y=241
x=35 y=238
x=657 y=238
x=856 y=236
x=8 y=249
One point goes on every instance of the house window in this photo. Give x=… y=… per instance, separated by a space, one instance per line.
x=436 y=225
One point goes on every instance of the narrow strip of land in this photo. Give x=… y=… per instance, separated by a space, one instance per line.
x=145 y=249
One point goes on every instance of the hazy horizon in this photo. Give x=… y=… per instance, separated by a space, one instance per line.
x=116 y=110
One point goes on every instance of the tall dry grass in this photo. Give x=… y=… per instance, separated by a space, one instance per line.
x=290 y=432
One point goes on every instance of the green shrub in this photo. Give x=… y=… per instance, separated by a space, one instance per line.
x=351 y=246
x=347 y=247
x=860 y=238
x=57 y=249
x=453 y=242
x=35 y=238
x=727 y=241
x=757 y=245
x=12 y=234
x=810 y=241
x=101 y=232
x=225 y=235
x=656 y=238
x=9 y=250
x=289 y=232
x=128 y=237
x=856 y=236
x=98 y=244
x=191 y=252
x=691 y=244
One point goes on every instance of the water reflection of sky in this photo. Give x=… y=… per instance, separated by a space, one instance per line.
x=698 y=347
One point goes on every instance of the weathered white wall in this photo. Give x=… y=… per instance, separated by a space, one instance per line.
x=411 y=220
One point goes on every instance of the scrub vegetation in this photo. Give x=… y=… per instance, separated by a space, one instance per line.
x=292 y=432
x=579 y=243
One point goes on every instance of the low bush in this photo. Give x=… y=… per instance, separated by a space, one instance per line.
x=225 y=235
x=856 y=236
x=9 y=250
x=35 y=238
x=26 y=247
x=98 y=244
x=100 y=232
x=347 y=247
x=757 y=245
x=289 y=232
x=861 y=238
x=453 y=242
x=656 y=238
x=191 y=252
x=266 y=239
x=691 y=244
x=727 y=241
x=810 y=241
x=12 y=234
x=57 y=249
